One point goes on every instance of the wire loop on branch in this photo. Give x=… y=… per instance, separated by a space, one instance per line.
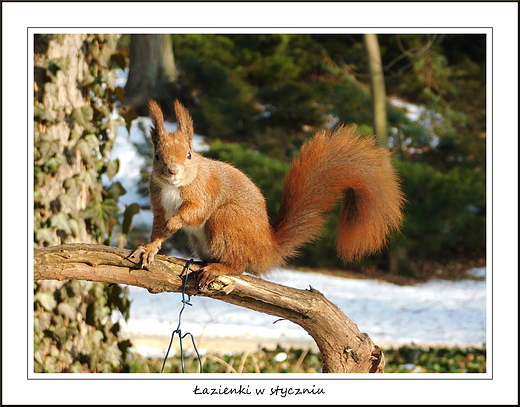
x=178 y=331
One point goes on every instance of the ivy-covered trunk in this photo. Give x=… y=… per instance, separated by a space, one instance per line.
x=74 y=131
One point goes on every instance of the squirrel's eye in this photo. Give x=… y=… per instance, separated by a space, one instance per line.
x=189 y=155
x=156 y=157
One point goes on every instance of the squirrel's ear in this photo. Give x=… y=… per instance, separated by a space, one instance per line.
x=184 y=120
x=157 y=117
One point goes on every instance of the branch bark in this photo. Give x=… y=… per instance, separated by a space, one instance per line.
x=343 y=347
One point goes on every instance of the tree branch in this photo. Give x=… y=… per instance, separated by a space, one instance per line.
x=343 y=347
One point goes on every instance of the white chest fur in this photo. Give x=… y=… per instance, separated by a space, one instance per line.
x=170 y=200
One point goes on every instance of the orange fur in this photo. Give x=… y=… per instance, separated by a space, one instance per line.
x=333 y=165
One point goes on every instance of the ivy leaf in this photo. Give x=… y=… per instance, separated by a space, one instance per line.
x=52 y=165
x=67 y=310
x=83 y=115
x=119 y=60
x=71 y=186
x=130 y=212
x=89 y=178
x=129 y=115
x=74 y=227
x=100 y=213
x=92 y=142
x=112 y=167
x=74 y=135
x=67 y=202
x=46 y=300
x=120 y=94
x=42 y=321
x=61 y=222
x=44 y=115
x=76 y=367
x=112 y=354
x=61 y=331
x=110 y=79
x=116 y=190
x=82 y=147
x=45 y=235
x=110 y=207
x=94 y=212
x=88 y=80
x=43 y=148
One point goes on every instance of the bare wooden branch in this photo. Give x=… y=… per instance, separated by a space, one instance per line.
x=343 y=347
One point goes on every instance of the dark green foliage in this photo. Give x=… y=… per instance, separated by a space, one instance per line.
x=405 y=359
x=247 y=87
x=408 y=359
x=447 y=75
x=261 y=361
x=448 y=211
x=294 y=109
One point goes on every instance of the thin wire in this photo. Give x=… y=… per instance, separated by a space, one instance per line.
x=178 y=330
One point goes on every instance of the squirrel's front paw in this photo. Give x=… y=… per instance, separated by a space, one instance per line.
x=145 y=254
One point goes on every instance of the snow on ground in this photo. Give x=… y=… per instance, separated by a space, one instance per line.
x=436 y=312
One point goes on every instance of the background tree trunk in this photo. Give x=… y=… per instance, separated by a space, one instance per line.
x=399 y=260
x=378 y=87
x=343 y=347
x=152 y=70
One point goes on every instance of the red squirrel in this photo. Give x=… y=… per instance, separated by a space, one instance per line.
x=225 y=216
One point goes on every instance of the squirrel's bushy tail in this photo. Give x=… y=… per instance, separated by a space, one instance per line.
x=332 y=165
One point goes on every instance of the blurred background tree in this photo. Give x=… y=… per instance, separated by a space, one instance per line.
x=377 y=79
x=152 y=71
x=75 y=323
x=270 y=92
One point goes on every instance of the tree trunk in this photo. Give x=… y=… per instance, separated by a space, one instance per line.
x=73 y=135
x=378 y=87
x=343 y=347
x=56 y=102
x=399 y=261
x=152 y=70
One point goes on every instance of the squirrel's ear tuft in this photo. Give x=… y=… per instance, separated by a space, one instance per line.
x=157 y=117
x=184 y=120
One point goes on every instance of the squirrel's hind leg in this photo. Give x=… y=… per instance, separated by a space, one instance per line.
x=243 y=245
x=213 y=270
